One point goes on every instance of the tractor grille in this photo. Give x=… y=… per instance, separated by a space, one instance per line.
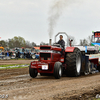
x=45 y=48
x=45 y=55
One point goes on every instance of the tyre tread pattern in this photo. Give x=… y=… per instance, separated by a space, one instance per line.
x=56 y=70
x=71 y=63
x=33 y=72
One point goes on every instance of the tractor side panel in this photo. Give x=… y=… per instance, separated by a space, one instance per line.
x=69 y=49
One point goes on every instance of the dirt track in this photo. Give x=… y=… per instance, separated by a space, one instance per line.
x=5 y=62
x=20 y=86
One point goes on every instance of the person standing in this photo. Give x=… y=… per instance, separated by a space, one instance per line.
x=24 y=55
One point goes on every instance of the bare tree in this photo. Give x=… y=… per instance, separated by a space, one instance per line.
x=81 y=42
x=43 y=43
x=90 y=40
x=84 y=42
x=28 y=44
x=33 y=44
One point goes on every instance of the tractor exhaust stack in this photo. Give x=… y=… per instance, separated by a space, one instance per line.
x=50 y=41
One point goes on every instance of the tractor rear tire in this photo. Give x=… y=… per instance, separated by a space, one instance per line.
x=57 y=70
x=73 y=62
x=33 y=72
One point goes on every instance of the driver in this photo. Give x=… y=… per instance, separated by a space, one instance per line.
x=62 y=43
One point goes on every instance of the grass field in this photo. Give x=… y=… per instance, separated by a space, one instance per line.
x=13 y=66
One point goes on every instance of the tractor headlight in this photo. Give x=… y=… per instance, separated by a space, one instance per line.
x=49 y=58
x=42 y=58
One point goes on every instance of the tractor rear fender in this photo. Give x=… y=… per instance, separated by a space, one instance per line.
x=69 y=49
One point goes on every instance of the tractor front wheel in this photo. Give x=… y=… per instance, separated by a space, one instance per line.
x=33 y=72
x=57 y=70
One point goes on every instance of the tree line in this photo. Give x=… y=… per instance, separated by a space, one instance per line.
x=17 y=42
x=21 y=42
x=83 y=42
x=86 y=41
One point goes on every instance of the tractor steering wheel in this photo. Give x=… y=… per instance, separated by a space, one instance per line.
x=58 y=45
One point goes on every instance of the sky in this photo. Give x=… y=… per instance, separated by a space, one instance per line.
x=29 y=19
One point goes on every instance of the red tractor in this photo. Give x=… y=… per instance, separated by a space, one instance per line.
x=72 y=63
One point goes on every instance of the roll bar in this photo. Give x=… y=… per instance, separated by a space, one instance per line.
x=65 y=34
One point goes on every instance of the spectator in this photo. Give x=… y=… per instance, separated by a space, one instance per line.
x=7 y=54
x=24 y=55
x=18 y=54
x=2 y=53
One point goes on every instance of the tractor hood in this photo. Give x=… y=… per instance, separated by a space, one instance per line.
x=48 y=47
